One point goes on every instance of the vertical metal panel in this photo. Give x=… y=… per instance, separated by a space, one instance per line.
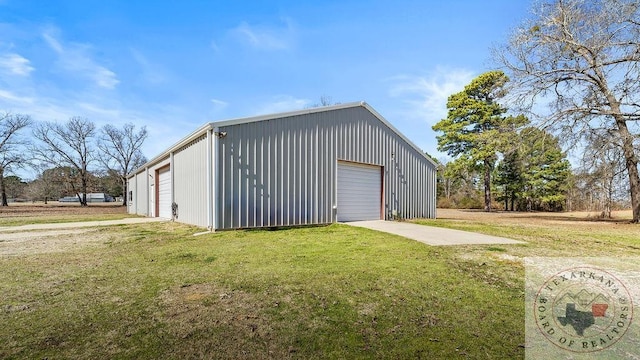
x=151 y=193
x=281 y=172
x=209 y=178
x=215 y=179
x=190 y=182
x=172 y=191
x=142 y=190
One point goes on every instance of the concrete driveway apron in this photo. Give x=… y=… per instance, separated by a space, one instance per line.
x=431 y=235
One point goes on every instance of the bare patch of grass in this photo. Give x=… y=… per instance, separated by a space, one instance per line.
x=206 y=318
x=24 y=214
x=50 y=241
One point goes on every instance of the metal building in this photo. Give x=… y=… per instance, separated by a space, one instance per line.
x=314 y=166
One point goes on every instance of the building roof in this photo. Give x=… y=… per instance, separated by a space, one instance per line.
x=216 y=124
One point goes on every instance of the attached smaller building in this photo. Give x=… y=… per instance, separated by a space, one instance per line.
x=314 y=166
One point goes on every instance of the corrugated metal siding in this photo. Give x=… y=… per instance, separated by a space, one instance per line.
x=190 y=182
x=142 y=184
x=141 y=194
x=283 y=172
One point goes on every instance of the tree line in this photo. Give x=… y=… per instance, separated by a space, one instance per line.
x=571 y=72
x=568 y=78
x=499 y=155
x=502 y=161
x=71 y=158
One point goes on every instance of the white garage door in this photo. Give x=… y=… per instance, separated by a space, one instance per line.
x=164 y=194
x=359 y=192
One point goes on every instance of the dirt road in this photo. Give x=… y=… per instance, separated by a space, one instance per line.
x=58 y=237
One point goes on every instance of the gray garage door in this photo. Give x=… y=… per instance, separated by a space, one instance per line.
x=359 y=192
x=164 y=194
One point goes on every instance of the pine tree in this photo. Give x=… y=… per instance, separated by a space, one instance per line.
x=509 y=176
x=546 y=170
x=475 y=127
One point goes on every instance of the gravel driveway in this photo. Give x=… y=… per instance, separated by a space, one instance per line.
x=57 y=237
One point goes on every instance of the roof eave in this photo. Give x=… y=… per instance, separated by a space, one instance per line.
x=212 y=125
x=287 y=114
x=200 y=131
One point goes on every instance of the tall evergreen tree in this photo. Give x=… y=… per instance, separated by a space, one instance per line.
x=509 y=176
x=546 y=170
x=475 y=127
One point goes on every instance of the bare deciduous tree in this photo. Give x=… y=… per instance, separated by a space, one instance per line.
x=582 y=57
x=50 y=183
x=325 y=100
x=603 y=160
x=120 y=151
x=12 y=146
x=70 y=144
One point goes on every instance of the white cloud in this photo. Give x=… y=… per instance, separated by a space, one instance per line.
x=151 y=72
x=282 y=103
x=15 y=64
x=105 y=78
x=219 y=104
x=264 y=37
x=59 y=108
x=98 y=110
x=214 y=46
x=13 y=98
x=52 y=41
x=426 y=96
x=76 y=59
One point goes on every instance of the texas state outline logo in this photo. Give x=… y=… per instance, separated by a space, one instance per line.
x=583 y=309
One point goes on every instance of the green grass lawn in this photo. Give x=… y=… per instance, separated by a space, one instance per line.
x=580 y=238
x=156 y=291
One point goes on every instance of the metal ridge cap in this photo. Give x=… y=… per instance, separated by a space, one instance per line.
x=273 y=116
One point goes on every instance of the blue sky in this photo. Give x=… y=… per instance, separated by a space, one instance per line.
x=174 y=65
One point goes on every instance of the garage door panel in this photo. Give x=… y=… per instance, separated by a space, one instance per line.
x=359 y=192
x=164 y=194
